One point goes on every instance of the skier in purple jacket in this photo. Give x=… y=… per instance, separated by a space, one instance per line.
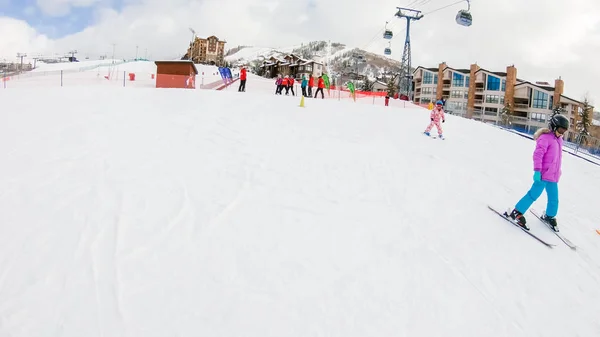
x=547 y=161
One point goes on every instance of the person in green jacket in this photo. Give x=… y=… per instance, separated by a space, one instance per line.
x=303 y=85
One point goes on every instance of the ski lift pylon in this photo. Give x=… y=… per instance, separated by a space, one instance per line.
x=464 y=17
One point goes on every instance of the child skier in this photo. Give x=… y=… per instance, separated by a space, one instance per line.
x=437 y=114
x=547 y=160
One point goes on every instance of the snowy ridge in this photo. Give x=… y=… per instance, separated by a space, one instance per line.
x=375 y=66
x=165 y=212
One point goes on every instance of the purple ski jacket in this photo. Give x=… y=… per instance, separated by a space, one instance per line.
x=547 y=156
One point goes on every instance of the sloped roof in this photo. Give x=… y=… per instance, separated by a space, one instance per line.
x=435 y=70
x=546 y=88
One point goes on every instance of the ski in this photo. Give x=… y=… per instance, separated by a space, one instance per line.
x=435 y=137
x=549 y=245
x=560 y=236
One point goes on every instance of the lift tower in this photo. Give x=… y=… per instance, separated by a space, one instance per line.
x=405 y=76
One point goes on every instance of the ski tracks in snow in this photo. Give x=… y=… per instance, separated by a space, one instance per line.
x=106 y=274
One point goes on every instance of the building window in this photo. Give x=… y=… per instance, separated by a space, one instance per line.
x=425 y=99
x=538 y=117
x=490 y=111
x=493 y=83
x=550 y=102
x=458 y=80
x=427 y=77
x=540 y=100
x=503 y=85
x=467 y=81
x=435 y=79
x=454 y=106
x=494 y=99
x=457 y=94
x=426 y=91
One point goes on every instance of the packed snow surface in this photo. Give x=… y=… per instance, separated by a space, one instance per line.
x=168 y=212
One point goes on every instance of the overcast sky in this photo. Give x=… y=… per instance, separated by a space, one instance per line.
x=542 y=38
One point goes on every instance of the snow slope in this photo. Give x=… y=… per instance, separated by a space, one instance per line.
x=94 y=73
x=165 y=212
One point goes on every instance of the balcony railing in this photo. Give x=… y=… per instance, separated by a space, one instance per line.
x=519 y=118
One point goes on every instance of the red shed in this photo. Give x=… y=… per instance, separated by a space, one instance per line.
x=176 y=74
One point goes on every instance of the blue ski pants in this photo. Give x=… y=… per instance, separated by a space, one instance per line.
x=534 y=193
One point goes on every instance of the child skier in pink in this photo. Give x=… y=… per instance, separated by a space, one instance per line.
x=437 y=114
x=547 y=161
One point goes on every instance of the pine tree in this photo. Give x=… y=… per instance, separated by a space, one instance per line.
x=367 y=85
x=391 y=87
x=586 y=121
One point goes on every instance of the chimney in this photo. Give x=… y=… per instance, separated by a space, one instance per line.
x=471 y=95
x=440 y=84
x=559 y=86
x=511 y=81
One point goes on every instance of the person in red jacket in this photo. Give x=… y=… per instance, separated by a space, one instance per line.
x=311 y=84
x=290 y=85
x=320 y=86
x=242 y=79
x=284 y=84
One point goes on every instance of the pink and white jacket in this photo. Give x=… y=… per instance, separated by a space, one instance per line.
x=438 y=115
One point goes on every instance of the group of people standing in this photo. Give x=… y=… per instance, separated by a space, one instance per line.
x=287 y=82
x=306 y=84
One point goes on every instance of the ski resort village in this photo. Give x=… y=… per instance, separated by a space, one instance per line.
x=297 y=169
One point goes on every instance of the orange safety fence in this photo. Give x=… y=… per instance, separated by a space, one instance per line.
x=361 y=94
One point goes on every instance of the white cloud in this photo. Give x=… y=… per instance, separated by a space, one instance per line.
x=542 y=38
x=20 y=38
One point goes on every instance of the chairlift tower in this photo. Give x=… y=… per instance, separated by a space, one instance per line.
x=405 y=76
x=21 y=56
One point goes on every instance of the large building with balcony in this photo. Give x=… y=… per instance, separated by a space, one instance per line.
x=206 y=51
x=482 y=94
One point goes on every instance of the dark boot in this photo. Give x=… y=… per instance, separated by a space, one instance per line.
x=519 y=218
x=551 y=221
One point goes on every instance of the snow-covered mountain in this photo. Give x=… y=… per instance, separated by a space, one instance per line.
x=345 y=60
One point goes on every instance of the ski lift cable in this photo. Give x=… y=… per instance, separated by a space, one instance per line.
x=392 y=23
x=420 y=3
x=450 y=5
x=380 y=31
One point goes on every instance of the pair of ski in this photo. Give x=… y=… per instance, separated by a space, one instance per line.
x=559 y=235
x=435 y=137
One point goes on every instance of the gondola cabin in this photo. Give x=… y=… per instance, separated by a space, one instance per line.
x=387 y=51
x=388 y=34
x=464 y=18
